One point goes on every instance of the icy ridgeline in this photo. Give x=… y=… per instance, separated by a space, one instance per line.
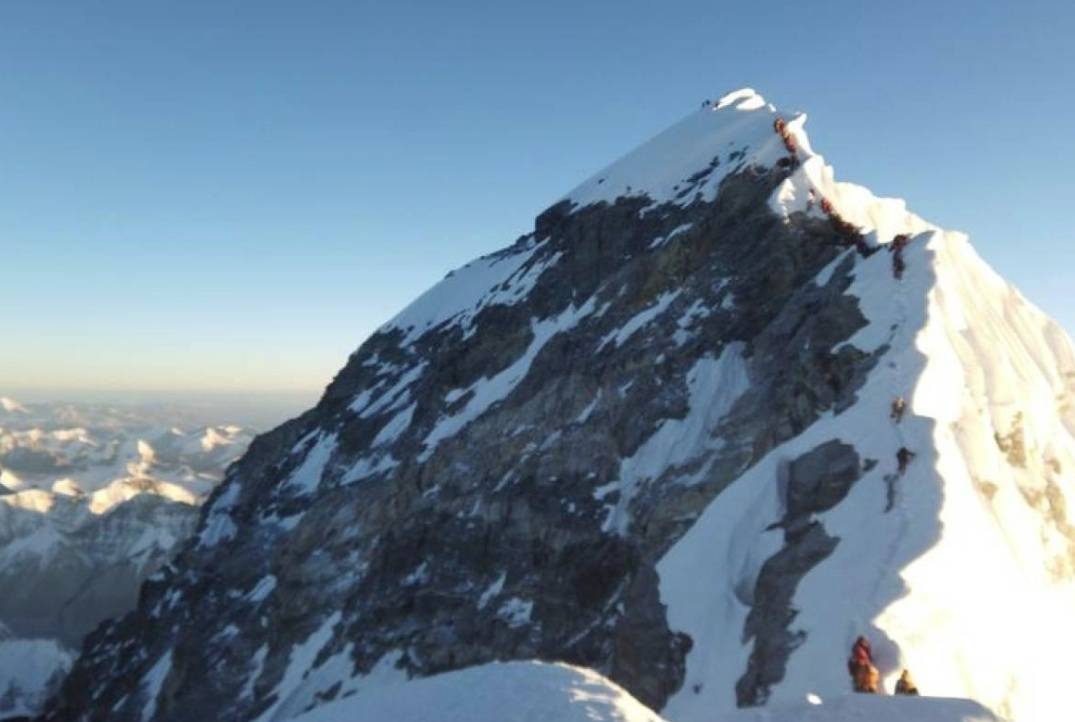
x=651 y=438
x=92 y=500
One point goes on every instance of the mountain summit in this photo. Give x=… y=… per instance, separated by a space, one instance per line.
x=715 y=417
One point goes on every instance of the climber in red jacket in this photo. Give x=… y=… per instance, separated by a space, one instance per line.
x=864 y=675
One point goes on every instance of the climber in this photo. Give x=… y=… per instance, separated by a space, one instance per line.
x=898 y=267
x=792 y=147
x=864 y=676
x=897 y=246
x=898 y=407
x=826 y=206
x=903 y=458
x=811 y=198
x=906 y=685
x=861 y=246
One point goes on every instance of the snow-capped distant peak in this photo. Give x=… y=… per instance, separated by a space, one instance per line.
x=12 y=406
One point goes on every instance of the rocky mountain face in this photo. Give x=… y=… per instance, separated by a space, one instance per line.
x=88 y=510
x=631 y=441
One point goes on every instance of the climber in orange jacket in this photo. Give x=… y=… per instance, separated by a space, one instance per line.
x=898 y=407
x=864 y=675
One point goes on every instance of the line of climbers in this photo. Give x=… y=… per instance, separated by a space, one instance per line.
x=848 y=233
x=792 y=146
x=903 y=454
x=864 y=675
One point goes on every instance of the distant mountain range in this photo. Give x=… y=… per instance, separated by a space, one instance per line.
x=93 y=499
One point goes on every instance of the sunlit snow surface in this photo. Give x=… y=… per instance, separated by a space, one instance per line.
x=61 y=465
x=510 y=692
x=968 y=580
x=536 y=692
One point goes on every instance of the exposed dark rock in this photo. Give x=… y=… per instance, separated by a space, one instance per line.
x=491 y=543
x=821 y=478
x=816 y=482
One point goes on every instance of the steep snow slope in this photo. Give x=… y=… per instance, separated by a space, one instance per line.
x=930 y=562
x=652 y=438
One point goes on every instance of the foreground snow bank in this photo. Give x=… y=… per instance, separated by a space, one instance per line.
x=538 y=692
x=504 y=692
x=859 y=707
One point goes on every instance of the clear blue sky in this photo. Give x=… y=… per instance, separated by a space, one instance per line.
x=232 y=195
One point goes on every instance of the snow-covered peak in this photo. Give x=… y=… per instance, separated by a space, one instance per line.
x=12 y=406
x=688 y=161
x=692 y=156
